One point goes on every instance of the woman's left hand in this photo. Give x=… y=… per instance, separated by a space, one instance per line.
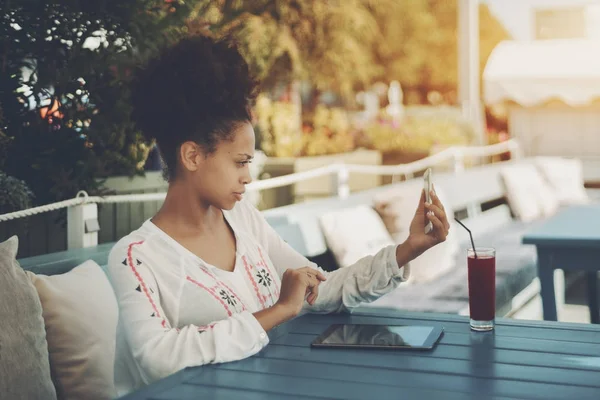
x=418 y=240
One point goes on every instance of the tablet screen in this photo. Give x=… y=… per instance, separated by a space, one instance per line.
x=378 y=335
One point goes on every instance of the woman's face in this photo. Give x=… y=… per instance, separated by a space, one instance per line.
x=219 y=179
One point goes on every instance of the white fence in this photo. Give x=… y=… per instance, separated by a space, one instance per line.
x=82 y=213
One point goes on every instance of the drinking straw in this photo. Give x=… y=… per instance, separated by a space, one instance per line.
x=470 y=235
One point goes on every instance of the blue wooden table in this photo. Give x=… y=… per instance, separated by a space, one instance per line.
x=570 y=240
x=519 y=360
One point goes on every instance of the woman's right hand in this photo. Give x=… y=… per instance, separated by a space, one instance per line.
x=296 y=284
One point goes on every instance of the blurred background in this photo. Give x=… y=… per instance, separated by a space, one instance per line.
x=337 y=76
x=376 y=82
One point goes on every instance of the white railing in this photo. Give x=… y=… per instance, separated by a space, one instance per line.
x=82 y=213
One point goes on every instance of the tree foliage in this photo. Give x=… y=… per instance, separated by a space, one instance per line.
x=328 y=43
x=344 y=46
x=420 y=45
x=63 y=92
x=64 y=67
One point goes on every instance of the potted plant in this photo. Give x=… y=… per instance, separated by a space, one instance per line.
x=415 y=137
x=323 y=137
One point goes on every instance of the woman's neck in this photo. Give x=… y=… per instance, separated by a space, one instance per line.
x=183 y=212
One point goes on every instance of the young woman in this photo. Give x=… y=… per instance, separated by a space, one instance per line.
x=206 y=278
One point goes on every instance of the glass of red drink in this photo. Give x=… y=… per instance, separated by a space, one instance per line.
x=482 y=288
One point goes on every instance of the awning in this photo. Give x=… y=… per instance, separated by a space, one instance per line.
x=535 y=72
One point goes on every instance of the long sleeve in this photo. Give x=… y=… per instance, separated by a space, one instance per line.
x=365 y=281
x=159 y=349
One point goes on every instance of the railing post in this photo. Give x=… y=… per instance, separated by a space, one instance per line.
x=459 y=162
x=340 y=182
x=515 y=151
x=82 y=226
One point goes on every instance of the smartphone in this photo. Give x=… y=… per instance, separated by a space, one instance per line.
x=427 y=185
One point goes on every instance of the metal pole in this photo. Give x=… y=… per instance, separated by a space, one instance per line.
x=468 y=66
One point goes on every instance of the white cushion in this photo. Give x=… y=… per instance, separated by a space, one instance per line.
x=80 y=313
x=353 y=233
x=565 y=177
x=529 y=196
x=24 y=367
x=397 y=208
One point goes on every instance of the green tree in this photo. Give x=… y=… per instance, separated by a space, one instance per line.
x=409 y=30
x=64 y=66
x=326 y=42
x=14 y=194
x=63 y=92
x=345 y=46
x=421 y=44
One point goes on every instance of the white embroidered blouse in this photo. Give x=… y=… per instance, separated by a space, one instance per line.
x=178 y=311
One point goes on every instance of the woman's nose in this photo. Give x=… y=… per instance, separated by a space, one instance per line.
x=246 y=178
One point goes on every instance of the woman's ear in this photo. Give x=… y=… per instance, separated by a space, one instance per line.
x=191 y=156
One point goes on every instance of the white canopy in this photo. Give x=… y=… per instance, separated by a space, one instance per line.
x=534 y=72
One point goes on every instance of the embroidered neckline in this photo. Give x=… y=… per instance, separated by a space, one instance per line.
x=239 y=245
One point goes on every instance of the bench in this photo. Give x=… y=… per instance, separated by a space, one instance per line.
x=477 y=197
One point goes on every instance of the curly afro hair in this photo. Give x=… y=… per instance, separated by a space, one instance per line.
x=199 y=90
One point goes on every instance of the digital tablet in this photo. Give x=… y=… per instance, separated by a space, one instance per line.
x=418 y=337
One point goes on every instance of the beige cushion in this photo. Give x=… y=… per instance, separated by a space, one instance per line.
x=397 y=208
x=353 y=233
x=529 y=196
x=565 y=177
x=24 y=366
x=80 y=311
